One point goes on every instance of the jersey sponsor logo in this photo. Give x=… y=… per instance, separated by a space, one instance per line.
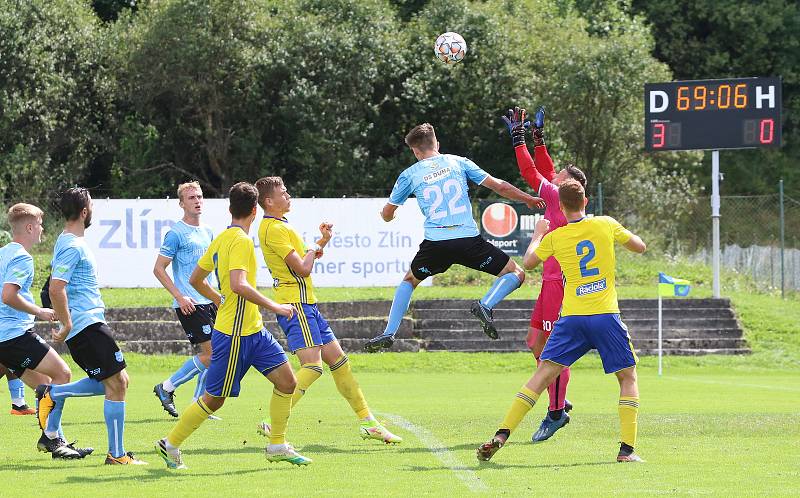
x=436 y=175
x=18 y=273
x=61 y=269
x=499 y=219
x=591 y=288
x=118 y=356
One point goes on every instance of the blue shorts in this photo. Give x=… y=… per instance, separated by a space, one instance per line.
x=232 y=357
x=574 y=336
x=307 y=328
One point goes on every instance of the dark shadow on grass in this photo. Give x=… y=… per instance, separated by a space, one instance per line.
x=312 y=449
x=101 y=421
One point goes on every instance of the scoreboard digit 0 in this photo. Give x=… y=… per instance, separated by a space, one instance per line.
x=713 y=114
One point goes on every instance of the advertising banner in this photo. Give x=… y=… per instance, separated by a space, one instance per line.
x=508 y=225
x=126 y=235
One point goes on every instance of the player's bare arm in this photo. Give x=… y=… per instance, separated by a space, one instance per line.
x=58 y=296
x=185 y=303
x=198 y=280
x=242 y=287
x=303 y=265
x=531 y=260
x=511 y=192
x=388 y=212
x=635 y=244
x=12 y=298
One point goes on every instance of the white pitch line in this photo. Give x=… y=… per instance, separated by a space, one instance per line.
x=440 y=451
x=736 y=384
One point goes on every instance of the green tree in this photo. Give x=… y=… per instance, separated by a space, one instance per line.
x=709 y=39
x=53 y=96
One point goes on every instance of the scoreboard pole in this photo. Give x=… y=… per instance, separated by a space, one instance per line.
x=715 y=203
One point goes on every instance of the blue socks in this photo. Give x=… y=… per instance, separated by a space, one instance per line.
x=402 y=298
x=17 y=389
x=114 y=412
x=501 y=287
x=84 y=387
x=201 y=383
x=188 y=370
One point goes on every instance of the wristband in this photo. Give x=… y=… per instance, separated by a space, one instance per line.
x=315 y=248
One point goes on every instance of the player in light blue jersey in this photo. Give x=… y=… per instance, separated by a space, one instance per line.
x=22 y=351
x=75 y=294
x=440 y=184
x=183 y=245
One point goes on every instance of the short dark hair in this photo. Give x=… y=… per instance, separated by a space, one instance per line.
x=73 y=201
x=571 y=195
x=422 y=137
x=576 y=173
x=266 y=186
x=243 y=198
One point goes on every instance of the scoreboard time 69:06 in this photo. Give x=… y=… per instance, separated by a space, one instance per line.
x=713 y=114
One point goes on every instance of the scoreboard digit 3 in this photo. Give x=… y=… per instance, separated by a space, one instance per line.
x=735 y=113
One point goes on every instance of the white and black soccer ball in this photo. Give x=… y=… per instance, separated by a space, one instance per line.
x=450 y=48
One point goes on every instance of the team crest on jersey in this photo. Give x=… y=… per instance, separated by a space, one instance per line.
x=275 y=282
x=207 y=329
x=118 y=356
x=436 y=175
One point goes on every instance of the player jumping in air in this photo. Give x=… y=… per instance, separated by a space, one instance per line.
x=184 y=243
x=239 y=340
x=26 y=354
x=309 y=335
x=439 y=182
x=541 y=176
x=589 y=317
x=75 y=294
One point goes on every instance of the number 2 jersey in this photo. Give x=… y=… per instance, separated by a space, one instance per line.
x=585 y=250
x=440 y=185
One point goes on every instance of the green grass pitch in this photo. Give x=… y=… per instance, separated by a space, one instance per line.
x=704 y=429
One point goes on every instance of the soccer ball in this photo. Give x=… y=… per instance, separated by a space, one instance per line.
x=450 y=48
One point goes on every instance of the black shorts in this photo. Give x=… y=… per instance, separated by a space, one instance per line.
x=25 y=351
x=96 y=352
x=198 y=325
x=436 y=256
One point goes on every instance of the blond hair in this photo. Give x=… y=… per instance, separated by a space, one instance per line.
x=22 y=213
x=422 y=137
x=266 y=186
x=183 y=187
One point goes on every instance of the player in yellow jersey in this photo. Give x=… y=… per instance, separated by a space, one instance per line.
x=239 y=340
x=589 y=315
x=308 y=334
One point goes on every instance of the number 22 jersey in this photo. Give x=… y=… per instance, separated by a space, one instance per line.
x=440 y=185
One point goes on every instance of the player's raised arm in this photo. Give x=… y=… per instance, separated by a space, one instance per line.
x=511 y=192
x=516 y=124
x=542 y=160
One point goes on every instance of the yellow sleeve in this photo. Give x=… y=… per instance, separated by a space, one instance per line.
x=621 y=234
x=277 y=239
x=206 y=261
x=241 y=253
x=545 y=249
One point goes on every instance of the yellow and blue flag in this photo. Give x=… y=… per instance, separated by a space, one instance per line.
x=671 y=287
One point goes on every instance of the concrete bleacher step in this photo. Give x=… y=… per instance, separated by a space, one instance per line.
x=691 y=326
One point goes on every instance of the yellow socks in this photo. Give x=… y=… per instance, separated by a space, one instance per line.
x=523 y=402
x=306 y=376
x=190 y=420
x=628 y=413
x=348 y=387
x=279 y=408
